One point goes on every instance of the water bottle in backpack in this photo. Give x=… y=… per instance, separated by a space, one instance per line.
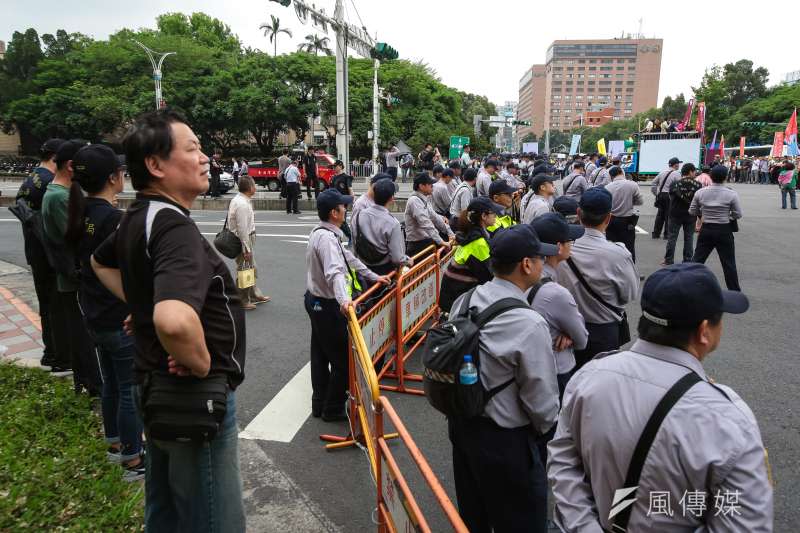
x=468 y=374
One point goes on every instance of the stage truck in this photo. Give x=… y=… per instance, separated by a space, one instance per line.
x=654 y=150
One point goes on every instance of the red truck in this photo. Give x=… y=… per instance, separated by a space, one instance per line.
x=265 y=173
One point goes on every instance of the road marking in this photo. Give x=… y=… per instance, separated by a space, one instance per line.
x=272 y=235
x=641 y=231
x=298 y=242
x=266 y=224
x=285 y=414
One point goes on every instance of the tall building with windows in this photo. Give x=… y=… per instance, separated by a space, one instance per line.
x=592 y=75
x=531 y=101
x=506 y=138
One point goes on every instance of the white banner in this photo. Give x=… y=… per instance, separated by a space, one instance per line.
x=530 y=148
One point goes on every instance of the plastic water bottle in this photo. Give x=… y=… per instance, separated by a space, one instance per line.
x=317 y=306
x=468 y=374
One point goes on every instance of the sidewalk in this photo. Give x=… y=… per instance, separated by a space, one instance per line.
x=20 y=327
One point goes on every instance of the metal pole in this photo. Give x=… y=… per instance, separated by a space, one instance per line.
x=156 y=69
x=342 y=120
x=376 y=117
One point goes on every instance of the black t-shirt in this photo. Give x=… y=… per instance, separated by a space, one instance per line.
x=103 y=310
x=310 y=164
x=681 y=193
x=34 y=187
x=163 y=256
x=343 y=183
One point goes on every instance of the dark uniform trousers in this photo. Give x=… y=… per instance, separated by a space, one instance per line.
x=662 y=221
x=329 y=371
x=501 y=484
x=718 y=236
x=602 y=338
x=69 y=332
x=676 y=224
x=44 y=282
x=312 y=180
x=623 y=229
x=292 y=192
x=415 y=247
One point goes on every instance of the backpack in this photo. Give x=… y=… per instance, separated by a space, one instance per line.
x=443 y=354
x=407 y=161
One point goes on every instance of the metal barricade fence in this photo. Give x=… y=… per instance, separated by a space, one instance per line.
x=365 y=169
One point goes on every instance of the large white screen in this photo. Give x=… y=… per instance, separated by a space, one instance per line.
x=654 y=155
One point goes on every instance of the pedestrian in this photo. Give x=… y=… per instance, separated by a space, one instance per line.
x=424 y=228
x=377 y=234
x=242 y=222
x=601 y=276
x=704 y=179
x=32 y=193
x=466 y=157
x=443 y=190
x=283 y=163
x=67 y=323
x=331 y=286
x=504 y=195
x=215 y=170
x=763 y=168
x=470 y=265
x=312 y=176
x=236 y=170
x=787 y=181
x=575 y=184
x=660 y=189
x=425 y=158
x=243 y=168
x=392 y=161
x=610 y=472
x=625 y=196
x=539 y=198
x=681 y=194
x=406 y=164
x=500 y=480
x=92 y=218
x=189 y=330
x=719 y=210
x=485 y=177
x=292 y=177
x=464 y=193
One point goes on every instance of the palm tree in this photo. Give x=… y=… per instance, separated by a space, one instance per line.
x=315 y=44
x=272 y=31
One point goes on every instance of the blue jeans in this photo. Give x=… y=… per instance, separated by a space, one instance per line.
x=120 y=421
x=195 y=487
x=676 y=224
x=792 y=197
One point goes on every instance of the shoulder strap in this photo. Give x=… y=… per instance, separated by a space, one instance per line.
x=620 y=523
x=591 y=291
x=569 y=183
x=498 y=308
x=535 y=289
x=664 y=182
x=346 y=262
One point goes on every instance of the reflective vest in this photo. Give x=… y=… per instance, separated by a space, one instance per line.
x=504 y=221
x=479 y=248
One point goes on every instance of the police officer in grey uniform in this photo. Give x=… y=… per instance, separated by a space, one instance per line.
x=423 y=226
x=660 y=189
x=539 y=200
x=599 y=175
x=499 y=477
x=625 y=196
x=443 y=191
x=575 y=184
x=607 y=269
x=464 y=193
x=377 y=237
x=705 y=468
x=330 y=285
x=367 y=200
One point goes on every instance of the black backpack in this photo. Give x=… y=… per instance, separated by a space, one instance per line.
x=443 y=355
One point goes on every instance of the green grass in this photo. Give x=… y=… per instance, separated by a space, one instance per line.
x=54 y=475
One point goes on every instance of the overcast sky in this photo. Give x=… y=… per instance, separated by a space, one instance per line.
x=481 y=47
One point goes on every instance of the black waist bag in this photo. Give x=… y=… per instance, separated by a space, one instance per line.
x=443 y=354
x=176 y=408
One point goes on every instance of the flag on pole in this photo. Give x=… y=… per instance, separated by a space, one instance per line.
x=790 y=135
x=700 y=125
x=722 y=147
x=710 y=151
x=687 y=116
x=601 y=147
x=741 y=146
x=777 y=144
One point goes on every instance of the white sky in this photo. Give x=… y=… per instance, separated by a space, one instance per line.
x=481 y=47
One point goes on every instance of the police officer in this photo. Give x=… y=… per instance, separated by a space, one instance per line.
x=443 y=191
x=464 y=193
x=708 y=447
x=486 y=176
x=604 y=267
x=719 y=209
x=455 y=166
x=575 y=184
x=567 y=208
x=591 y=164
x=502 y=194
x=625 y=196
x=499 y=476
x=538 y=200
x=599 y=175
x=660 y=189
x=377 y=235
x=367 y=200
x=330 y=285
x=423 y=226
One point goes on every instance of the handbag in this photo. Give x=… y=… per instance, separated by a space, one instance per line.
x=227 y=243
x=624 y=327
x=245 y=276
x=184 y=408
x=662 y=198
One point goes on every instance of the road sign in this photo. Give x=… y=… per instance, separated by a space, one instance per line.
x=457 y=146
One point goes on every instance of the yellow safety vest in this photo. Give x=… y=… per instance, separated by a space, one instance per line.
x=504 y=221
x=479 y=248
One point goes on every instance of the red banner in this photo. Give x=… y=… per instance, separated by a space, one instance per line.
x=741 y=146
x=700 y=125
x=722 y=147
x=687 y=116
x=777 y=144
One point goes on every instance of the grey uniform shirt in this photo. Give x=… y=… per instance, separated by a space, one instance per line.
x=624 y=195
x=291 y=174
x=608 y=269
x=461 y=198
x=442 y=195
x=558 y=308
x=362 y=202
x=483 y=183
x=590 y=168
x=659 y=185
x=516 y=344
x=717 y=204
x=283 y=163
x=575 y=185
x=535 y=206
x=326 y=269
x=600 y=177
x=379 y=227
x=422 y=222
x=707 y=444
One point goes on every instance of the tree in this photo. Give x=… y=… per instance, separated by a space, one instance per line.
x=23 y=54
x=673 y=108
x=201 y=28
x=315 y=44
x=272 y=30
x=60 y=44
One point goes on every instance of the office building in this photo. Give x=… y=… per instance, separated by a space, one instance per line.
x=590 y=75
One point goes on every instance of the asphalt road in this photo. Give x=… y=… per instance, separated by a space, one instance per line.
x=758 y=357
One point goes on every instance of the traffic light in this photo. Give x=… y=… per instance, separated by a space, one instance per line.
x=284 y=3
x=521 y=123
x=383 y=52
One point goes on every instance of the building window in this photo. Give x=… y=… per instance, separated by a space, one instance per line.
x=628 y=104
x=605 y=75
x=581 y=61
x=631 y=82
x=608 y=61
x=567 y=97
x=619 y=76
x=579 y=97
x=592 y=61
x=629 y=90
x=581 y=76
x=557 y=96
x=606 y=68
x=618 y=97
x=628 y=111
x=620 y=68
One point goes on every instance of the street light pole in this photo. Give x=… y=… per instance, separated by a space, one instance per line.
x=376 y=115
x=152 y=54
x=342 y=98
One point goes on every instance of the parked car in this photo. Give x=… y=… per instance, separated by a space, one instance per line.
x=226 y=182
x=265 y=173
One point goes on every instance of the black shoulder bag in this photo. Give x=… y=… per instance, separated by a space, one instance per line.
x=365 y=249
x=624 y=327
x=662 y=198
x=535 y=289
x=227 y=243
x=620 y=521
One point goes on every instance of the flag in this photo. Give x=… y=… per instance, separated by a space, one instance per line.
x=575 y=144
x=700 y=125
x=741 y=146
x=710 y=151
x=687 y=116
x=790 y=135
x=601 y=147
x=722 y=147
x=777 y=144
